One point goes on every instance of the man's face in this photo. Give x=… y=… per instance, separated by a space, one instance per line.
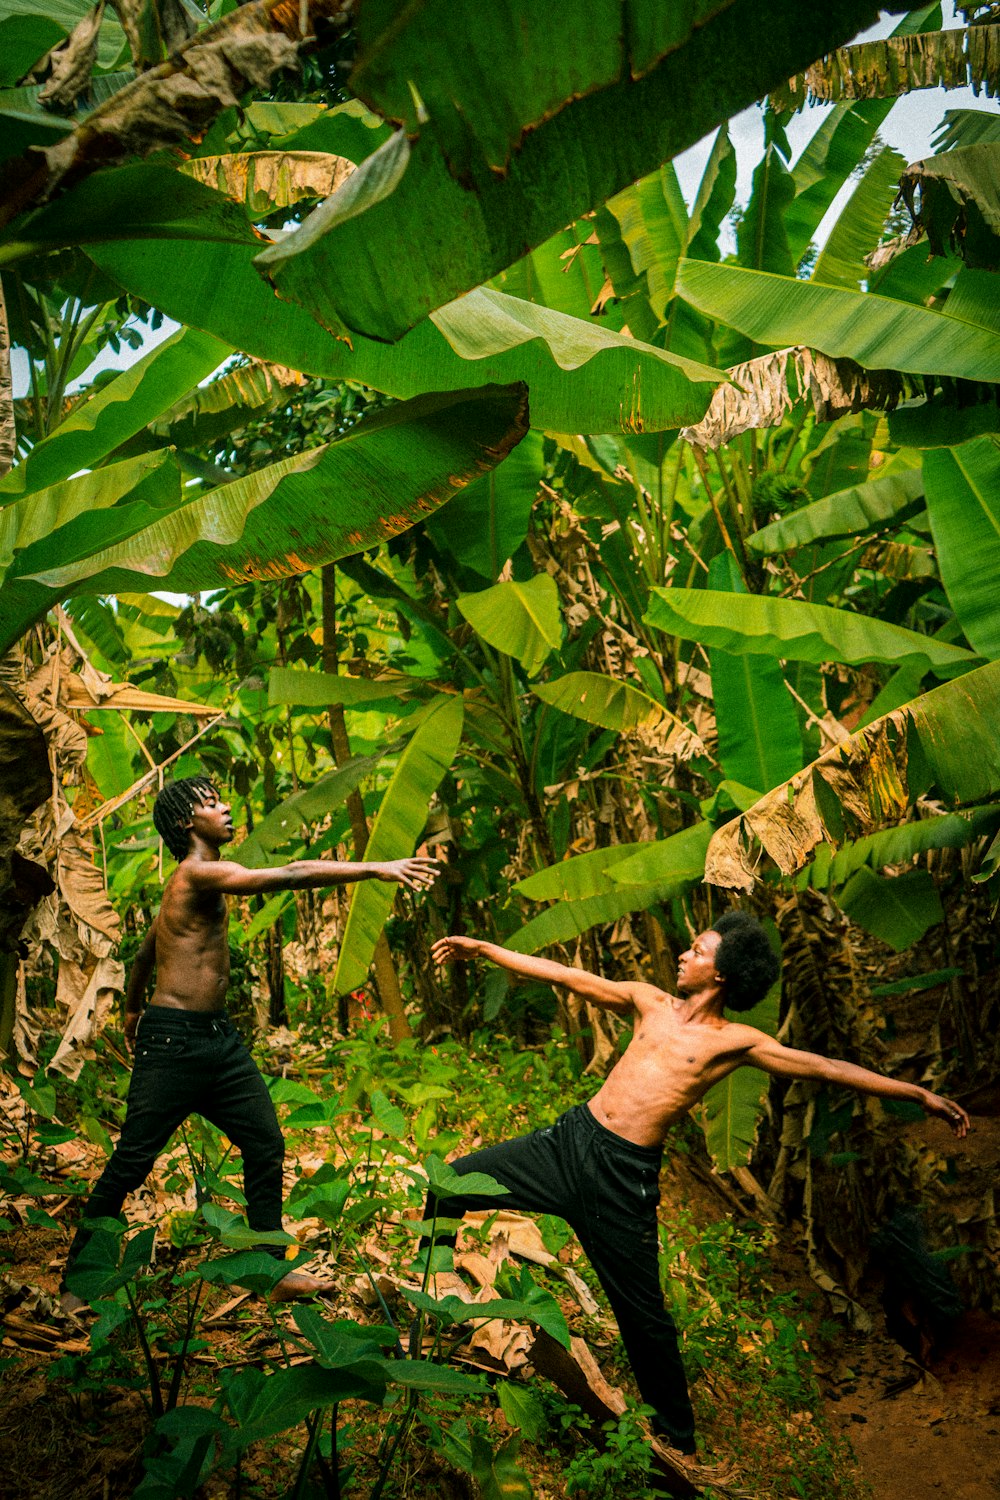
x=696 y=968
x=212 y=820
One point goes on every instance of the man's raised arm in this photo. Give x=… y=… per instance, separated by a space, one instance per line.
x=787 y=1062
x=591 y=986
x=307 y=874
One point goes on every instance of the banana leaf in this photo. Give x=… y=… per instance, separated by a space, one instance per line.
x=521 y=619
x=765 y=625
x=875 y=331
x=604 y=701
x=898 y=909
x=324 y=503
x=851 y=512
x=397 y=827
x=963 y=504
x=949 y=737
x=955 y=199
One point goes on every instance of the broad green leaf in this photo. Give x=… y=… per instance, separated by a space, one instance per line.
x=959 y=201
x=520 y=619
x=382 y=476
x=963 y=503
x=567 y=920
x=653 y=223
x=584 y=377
x=759 y=743
x=497 y=1473
x=630 y=877
x=302 y=808
x=575 y=879
x=860 y=224
x=949 y=737
x=899 y=909
x=852 y=512
x=522 y=1409
x=320 y=690
x=505 y=157
x=666 y=865
x=388 y=1116
x=118 y=410
x=877 y=332
x=897 y=846
x=82 y=505
x=488 y=521
x=966 y=127
x=605 y=701
x=714 y=199
x=731 y=1110
x=761 y=238
x=765 y=625
x=832 y=153
x=447 y=1183
x=398 y=824
x=265 y=1405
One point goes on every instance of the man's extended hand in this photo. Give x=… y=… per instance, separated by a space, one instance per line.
x=418 y=873
x=131 y=1022
x=947 y=1109
x=450 y=948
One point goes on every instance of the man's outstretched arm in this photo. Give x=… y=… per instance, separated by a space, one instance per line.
x=787 y=1062
x=307 y=874
x=591 y=986
x=138 y=980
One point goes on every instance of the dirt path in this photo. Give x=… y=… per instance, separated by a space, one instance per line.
x=938 y=1436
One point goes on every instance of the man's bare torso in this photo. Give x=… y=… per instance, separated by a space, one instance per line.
x=668 y=1066
x=192 y=946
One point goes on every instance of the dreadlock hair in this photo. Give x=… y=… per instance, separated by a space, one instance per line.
x=173 y=808
x=744 y=959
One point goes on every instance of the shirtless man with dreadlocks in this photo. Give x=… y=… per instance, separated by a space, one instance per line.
x=188 y=1056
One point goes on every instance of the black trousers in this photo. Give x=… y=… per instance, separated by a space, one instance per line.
x=607 y=1190
x=190 y=1063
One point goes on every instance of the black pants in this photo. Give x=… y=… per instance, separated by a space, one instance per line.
x=190 y=1063
x=607 y=1190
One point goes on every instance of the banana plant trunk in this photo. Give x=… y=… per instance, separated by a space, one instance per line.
x=386 y=979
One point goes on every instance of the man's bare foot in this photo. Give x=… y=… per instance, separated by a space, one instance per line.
x=73 y=1305
x=300 y=1284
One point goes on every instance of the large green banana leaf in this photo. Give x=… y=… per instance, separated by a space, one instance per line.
x=898 y=909
x=949 y=737
x=758 y=726
x=88 y=504
x=959 y=201
x=768 y=626
x=296 y=812
x=584 y=377
x=604 y=701
x=851 y=512
x=520 y=619
x=762 y=240
x=963 y=503
x=319 y=690
x=507 y=154
x=897 y=846
x=486 y=523
x=731 y=1110
x=877 y=332
x=397 y=827
x=599 y=887
x=386 y=474
x=860 y=223
x=118 y=410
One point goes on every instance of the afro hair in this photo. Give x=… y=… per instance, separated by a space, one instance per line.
x=745 y=960
x=173 y=808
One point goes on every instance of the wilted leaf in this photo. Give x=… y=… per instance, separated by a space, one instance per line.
x=266 y=180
